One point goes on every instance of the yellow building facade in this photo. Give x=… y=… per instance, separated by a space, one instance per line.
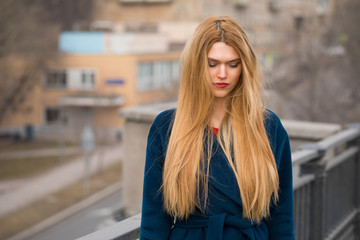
x=77 y=90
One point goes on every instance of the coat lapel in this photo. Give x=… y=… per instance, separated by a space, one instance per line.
x=221 y=175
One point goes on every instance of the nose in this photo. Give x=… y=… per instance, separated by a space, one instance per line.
x=222 y=72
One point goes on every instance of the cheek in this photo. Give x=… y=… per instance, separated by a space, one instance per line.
x=236 y=77
x=212 y=74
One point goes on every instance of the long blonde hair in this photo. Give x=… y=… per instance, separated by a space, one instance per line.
x=242 y=134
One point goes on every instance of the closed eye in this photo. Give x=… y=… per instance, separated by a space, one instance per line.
x=234 y=64
x=212 y=64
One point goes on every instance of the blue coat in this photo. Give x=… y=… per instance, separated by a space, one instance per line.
x=223 y=216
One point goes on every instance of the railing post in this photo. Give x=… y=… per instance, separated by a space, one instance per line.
x=357 y=200
x=356 y=143
x=318 y=191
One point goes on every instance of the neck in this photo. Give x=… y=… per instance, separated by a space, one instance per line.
x=218 y=112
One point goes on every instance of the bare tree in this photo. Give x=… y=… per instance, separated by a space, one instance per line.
x=321 y=78
x=25 y=40
x=29 y=30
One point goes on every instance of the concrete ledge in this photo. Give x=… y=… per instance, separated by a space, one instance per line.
x=310 y=130
x=145 y=113
x=296 y=129
x=126 y=229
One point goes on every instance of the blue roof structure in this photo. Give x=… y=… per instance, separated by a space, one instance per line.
x=112 y=43
x=82 y=42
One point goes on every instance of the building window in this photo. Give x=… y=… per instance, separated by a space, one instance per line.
x=87 y=80
x=274 y=5
x=322 y=7
x=56 y=79
x=143 y=1
x=241 y=3
x=71 y=78
x=157 y=75
x=52 y=115
x=141 y=27
x=299 y=22
x=145 y=74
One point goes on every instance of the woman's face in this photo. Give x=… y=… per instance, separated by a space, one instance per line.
x=224 y=68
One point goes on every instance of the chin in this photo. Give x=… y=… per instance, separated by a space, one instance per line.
x=220 y=95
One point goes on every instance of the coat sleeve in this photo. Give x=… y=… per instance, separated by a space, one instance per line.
x=281 y=222
x=155 y=222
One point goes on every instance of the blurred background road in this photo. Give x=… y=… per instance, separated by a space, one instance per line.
x=97 y=216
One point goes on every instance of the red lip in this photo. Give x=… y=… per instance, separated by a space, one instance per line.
x=221 y=85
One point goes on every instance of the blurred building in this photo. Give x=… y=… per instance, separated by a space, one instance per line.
x=127 y=55
x=278 y=29
x=94 y=76
x=271 y=24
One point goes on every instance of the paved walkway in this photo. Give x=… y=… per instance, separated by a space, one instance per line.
x=54 y=180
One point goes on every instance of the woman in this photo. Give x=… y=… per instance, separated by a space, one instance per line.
x=219 y=166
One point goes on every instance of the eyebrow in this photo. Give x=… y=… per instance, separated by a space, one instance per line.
x=233 y=60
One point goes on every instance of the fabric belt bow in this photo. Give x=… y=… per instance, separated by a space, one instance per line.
x=216 y=223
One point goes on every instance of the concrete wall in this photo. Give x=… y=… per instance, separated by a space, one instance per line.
x=137 y=125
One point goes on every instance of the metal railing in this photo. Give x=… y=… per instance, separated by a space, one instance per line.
x=326 y=192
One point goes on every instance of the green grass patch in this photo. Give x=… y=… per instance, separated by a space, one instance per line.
x=52 y=204
x=26 y=167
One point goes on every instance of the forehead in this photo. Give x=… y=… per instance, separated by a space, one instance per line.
x=222 y=52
